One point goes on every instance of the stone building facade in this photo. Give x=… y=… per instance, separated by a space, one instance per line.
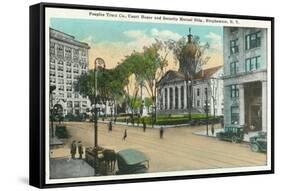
x=68 y=60
x=174 y=92
x=245 y=78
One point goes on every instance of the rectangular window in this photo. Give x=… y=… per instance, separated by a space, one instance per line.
x=69 y=95
x=69 y=104
x=252 y=63
x=198 y=92
x=234 y=46
x=52 y=48
x=198 y=103
x=76 y=104
x=68 y=53
x=253 y=40
x=234 y=91
x=76 y=54
x=60 y=51
x=234 y=115
x=234 y=68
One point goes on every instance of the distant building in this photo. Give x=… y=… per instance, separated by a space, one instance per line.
x=68 y=60
x=245 y=82
x=173 y=96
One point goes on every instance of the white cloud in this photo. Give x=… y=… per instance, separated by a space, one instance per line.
x=164 y=34
x=90 y=40
x=134 y=33
x=215 y=41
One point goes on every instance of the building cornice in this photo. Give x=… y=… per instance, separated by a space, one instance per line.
x=63 y=37
x=245 y=77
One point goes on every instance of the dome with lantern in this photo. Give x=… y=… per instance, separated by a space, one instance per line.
x=191 y=49
x=190 y=52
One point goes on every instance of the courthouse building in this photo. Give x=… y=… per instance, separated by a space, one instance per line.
x=68 y=60
x=245 y=78
x=174 y=92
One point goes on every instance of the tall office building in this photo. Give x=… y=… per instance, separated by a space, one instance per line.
x=68 y=60
x=245 y=78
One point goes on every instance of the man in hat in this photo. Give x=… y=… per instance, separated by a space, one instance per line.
x=73 y=149
x=80 y=149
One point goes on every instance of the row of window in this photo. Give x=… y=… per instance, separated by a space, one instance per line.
x=76 y=104
x=252 y=40
x=69 y=70
x=61 y=75
x=251 y=64
x=65 y=51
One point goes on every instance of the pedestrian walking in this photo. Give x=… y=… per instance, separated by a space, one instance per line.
x=80 y=149
x=161 y=132
x=73 y=149
x=125 y=135
x=110 y=126
x=213 y=129
x=144 y=126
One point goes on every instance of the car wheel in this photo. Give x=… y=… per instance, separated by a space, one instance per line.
x=234 y=139
x=255 y=147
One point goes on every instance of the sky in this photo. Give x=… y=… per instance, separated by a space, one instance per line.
x=113 y=40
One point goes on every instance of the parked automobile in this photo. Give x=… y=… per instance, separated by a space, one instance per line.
x=231 y=133
x=259 y=143
x=131 y=161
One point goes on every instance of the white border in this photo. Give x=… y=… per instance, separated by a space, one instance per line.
x=84 y=14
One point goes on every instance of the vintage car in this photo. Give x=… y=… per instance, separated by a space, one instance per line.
x=259 y=143
x=131 y=161
x=231 y=133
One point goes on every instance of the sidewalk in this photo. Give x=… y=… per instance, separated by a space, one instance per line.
x=204 y=133
x=140 y=124
x=70 y=168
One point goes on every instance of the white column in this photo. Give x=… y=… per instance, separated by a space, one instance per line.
x=163 y=98
x=241 y=105
x=264 y=106
x=179 y=97
x=174 y=97
x=168 y=98
x=184 y=95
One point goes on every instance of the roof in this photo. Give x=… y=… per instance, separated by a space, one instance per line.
x=171 y=76
x=64 y=37
x=207 y=73
x=132 y=156
x=174 y=76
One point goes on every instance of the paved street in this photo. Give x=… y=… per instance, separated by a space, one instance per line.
x=180 y=149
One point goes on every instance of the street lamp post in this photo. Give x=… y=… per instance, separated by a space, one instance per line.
x=99 y=62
